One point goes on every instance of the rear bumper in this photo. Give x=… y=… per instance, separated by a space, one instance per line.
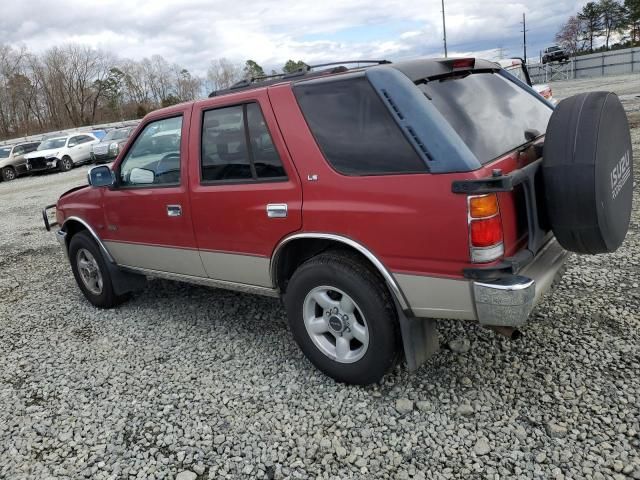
x=507 y=301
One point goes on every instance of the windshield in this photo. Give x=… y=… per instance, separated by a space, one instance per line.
x=553 y=49
x=117 y=134
x=5 y=152
x=489 y=112
x=53 y=143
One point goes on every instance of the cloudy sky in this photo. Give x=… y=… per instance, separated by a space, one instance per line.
x=192 y=32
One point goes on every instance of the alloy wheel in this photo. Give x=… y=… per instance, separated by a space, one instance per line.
x=336 y=324
x=89 y=271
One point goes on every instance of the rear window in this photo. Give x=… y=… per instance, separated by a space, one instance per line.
x=489 y=112
x=354 y=129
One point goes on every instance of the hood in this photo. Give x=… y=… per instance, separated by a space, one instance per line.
x=120 y=141
x=43 y=153
x=74 y=189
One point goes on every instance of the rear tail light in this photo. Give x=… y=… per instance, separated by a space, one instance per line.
x=485 y=228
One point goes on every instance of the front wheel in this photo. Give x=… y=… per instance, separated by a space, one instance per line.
x=91 y=272
x=8 y=174
x=343 y=318
x=65 y=164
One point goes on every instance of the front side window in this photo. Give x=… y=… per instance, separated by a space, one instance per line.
x=154 y=158
x=237 y=146
x=84 y=139
x=355 y=130
x=5 y=152
x=73 y=141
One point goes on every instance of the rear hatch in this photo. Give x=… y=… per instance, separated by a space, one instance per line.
x=503 y=123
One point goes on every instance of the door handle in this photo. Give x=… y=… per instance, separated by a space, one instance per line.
x=277 y=210
x=174 y=210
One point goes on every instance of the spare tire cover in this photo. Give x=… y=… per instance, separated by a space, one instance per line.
x=588 y=173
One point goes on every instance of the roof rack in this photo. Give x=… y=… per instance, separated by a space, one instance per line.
x=265 y=80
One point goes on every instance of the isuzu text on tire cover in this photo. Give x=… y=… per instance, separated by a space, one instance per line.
x=373 y=201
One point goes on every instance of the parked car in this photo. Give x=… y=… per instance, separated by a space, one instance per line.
x=371 y=200
x=62 y=153
x=517 y=68
x=12 y=159
x=99 y=133
x=109 y=147
x=554 y=54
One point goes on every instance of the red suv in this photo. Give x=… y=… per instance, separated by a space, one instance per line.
x=372 y=200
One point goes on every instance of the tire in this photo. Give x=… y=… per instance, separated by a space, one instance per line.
x=8 y=174
x=84 y=249
x=365 y=325
x=588 y=173
x=65 y=164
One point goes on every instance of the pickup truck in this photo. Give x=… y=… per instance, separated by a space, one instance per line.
x=374 y=201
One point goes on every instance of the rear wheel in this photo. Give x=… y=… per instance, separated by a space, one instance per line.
x=8 y=173
x=91 y=272
x=65 y=164
x=342 y=317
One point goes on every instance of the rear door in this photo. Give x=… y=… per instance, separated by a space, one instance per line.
x=246 y=195
x=147 y=212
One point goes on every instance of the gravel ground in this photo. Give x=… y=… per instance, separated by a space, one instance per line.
x=188 y=382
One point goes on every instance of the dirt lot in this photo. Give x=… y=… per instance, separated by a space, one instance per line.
x=199 y=382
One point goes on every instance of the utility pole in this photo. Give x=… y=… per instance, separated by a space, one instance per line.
x=524 y=35
x=444 y=31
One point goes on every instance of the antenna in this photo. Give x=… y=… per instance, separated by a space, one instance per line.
x=524 y=35
x=444 y=31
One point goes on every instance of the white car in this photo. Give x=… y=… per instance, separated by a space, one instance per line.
x=62 y=153
x=515 y=67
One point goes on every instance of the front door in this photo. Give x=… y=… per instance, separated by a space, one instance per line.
x=147 y=213
x=245 y=194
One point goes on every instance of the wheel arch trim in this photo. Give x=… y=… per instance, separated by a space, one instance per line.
x=391 y=282
x=93 y=234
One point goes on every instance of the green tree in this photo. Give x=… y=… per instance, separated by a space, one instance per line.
x=252 y=70
x=292 y=66
x=591 y=17
x=613 y=18
x=169 y=100
x=632 y=11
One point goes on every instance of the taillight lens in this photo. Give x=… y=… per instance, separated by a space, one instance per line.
x=484 y=206
x=485 y=228
x=486 y=232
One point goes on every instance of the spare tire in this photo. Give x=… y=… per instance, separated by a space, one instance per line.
x=588 y=173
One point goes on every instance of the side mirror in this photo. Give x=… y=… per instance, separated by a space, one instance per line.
x=100 y=176
x=141 y=176
x=72 y=144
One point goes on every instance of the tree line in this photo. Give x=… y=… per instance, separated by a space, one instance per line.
x=614 y=21
x=74 y=85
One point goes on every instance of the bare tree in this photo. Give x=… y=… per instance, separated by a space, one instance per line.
x=570 y=35
x=223 y=73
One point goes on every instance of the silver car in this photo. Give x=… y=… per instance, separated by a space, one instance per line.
x=12 y=161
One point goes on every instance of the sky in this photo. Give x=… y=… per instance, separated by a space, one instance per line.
x=193 y=32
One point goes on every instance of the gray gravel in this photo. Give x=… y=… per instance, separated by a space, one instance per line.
x=188 y=382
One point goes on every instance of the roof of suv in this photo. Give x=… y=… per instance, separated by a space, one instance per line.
x=416 y=69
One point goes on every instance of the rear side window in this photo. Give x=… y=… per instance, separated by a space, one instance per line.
x=354 y=129
x=489 y=112
x=237 y=146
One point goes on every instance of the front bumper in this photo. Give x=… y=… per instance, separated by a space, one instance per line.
x=41 y=164
x=102 y=157
x=509 y=300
